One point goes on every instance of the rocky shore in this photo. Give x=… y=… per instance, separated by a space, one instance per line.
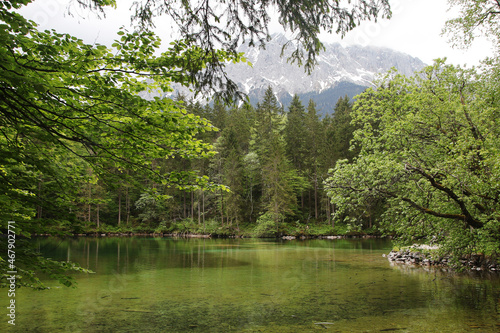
x=135 y=234
x=473 y=262
x=194 y=235
x=330 y=237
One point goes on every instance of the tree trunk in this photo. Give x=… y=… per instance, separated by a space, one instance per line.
x=119 y=206
x=222 y=206
x=316 y=197
x=184 y=204
x=90 y=198
x=328 y=214
x=332 y=212
x=127 y=205
x=192 y=205
x=251 y=199
x=199 y=209
x=39 y=206
x=203 y=200
x=97 y=217
x=276 y=216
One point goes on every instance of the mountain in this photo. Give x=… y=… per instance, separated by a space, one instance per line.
x=340 y=71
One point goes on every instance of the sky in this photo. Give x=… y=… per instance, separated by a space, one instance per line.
x=415 y=28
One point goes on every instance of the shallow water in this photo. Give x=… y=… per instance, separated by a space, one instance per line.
x=204 y=285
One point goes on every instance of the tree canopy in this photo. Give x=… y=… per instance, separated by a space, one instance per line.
x=429 y=149
x=66 y=106
x=476 y=18
x=225 y=25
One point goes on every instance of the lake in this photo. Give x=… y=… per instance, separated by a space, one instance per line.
x=251 y=285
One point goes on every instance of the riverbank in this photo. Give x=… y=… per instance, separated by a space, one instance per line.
x=192 y=235
x=210 y=229
x=475 y=262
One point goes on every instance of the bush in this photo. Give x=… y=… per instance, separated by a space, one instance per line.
x=53 y=227
x=266 y=227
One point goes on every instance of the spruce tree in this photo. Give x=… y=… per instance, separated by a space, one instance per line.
x=269 y=144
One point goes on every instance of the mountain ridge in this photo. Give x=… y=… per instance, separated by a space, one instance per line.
x=339 y=71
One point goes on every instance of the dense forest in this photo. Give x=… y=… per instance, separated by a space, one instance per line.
x=271 y=162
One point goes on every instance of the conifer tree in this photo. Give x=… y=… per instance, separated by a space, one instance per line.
x=295 y=133
x=314 y=135
x=269 y=144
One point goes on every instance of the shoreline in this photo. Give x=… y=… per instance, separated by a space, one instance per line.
x=207 y=236
x=475 y=262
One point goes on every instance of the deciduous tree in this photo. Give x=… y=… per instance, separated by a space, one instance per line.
x=433 y=158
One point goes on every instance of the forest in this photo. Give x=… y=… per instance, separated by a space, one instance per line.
x=270 y=162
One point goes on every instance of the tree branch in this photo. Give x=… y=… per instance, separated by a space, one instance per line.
x=467 y=216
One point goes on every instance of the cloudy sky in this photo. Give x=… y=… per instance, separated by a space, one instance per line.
x=414 y=29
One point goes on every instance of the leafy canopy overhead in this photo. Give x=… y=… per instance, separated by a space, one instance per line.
x=61 y=98
x=226 y=24
x=57 y=89
x=476 y=18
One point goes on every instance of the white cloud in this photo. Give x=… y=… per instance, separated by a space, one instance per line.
x=415 y=28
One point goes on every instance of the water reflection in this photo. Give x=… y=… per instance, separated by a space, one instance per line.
x=203 y=285
x=132 y=255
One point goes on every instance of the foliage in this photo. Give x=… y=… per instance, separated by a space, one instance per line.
x=266 y=226
x=71 y=114
x=230 y=23
x=279 y=178
x=432 y=158
x=342 y=130
x=479 y=17
x=152 y=207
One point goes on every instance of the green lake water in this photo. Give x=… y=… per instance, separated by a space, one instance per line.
x=205 y=285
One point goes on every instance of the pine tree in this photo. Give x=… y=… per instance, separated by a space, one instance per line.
x=269 y=144
x=295 y=133
x=342 y=130
x=313 y=134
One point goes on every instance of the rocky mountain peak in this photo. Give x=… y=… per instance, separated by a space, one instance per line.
x=336 y=64
x=340 y=71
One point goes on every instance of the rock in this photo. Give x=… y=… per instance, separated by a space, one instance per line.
x=474 y=262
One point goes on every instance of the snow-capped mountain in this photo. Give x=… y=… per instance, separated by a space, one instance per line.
x=340 y=71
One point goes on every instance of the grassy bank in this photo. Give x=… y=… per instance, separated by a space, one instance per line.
x=210 y=228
